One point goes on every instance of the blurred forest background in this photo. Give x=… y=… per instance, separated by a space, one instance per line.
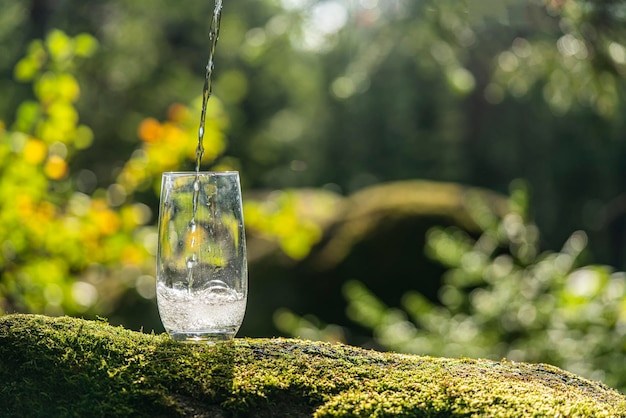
x=427 y=176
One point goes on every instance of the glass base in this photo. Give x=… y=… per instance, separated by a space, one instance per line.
x=203 y=337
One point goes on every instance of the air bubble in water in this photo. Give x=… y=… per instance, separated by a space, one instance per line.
x=192 y=262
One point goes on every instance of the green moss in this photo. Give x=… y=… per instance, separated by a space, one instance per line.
x=72 y=367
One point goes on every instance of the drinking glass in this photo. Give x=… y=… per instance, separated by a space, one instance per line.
x=202 y=273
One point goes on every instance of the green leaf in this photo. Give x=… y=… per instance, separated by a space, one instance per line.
x=25 y=70
x=27 y=114
x=59 y=45
x=85 y=45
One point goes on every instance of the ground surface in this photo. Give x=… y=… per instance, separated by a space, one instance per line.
x=72 y=367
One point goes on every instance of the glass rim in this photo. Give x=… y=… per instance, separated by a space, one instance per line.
x=201 y=173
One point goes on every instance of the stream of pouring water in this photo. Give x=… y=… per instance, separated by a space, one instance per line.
x=214 y=32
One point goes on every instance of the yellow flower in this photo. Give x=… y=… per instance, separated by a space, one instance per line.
x=150 y=130
x=131 y=255
x=178 y=113
x=56 y=167
x=34 y=151
x=108 y=222
x=24 y=205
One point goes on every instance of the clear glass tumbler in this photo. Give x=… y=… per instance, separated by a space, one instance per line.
x=202 y=273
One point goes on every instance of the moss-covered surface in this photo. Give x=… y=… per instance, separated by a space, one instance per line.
x=72 y=367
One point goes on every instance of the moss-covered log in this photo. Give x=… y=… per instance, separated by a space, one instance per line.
x=72 y=367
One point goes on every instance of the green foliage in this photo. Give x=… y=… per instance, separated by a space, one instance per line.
x=502 y=298
x=65 y=366
x=292 y=220
x=42 y=239
x=67 y=245
x=584 y=67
